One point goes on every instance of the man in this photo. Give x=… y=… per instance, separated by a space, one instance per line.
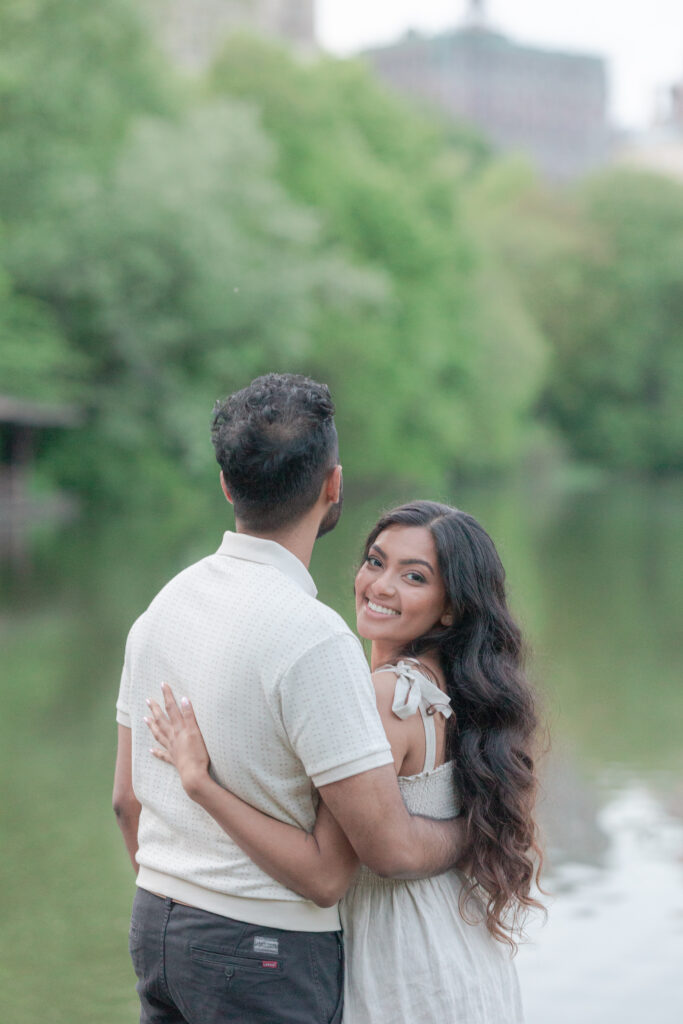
x=283 y=696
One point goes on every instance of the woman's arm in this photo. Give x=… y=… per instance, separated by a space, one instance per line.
x=317 y=865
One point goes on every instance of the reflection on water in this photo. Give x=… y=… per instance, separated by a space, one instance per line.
x=612 y=948
x=594 y=578
x=568 y=813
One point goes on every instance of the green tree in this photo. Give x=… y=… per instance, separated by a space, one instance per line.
x=612 y=307
x=417 y=395
x=187 y=272
x=73 y=74
x=147 y=240
x=36 y=359
x=163 y=243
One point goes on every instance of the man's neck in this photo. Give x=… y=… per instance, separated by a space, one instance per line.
x=299 y=539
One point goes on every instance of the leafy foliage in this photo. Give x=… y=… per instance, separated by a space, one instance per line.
x=177 y=269
x=36 y=360
x=163 y=241
x=416 y=392
x=611 y=302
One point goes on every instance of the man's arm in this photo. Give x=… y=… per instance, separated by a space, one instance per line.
x=333 y=723
x=393 y=843
x=126 y=806
x=318 y=865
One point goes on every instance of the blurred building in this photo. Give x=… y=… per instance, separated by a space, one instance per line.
x=191 y=30
x=549 y=104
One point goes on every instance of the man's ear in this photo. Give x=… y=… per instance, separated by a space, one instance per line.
x=225 y=490
x=334 y=483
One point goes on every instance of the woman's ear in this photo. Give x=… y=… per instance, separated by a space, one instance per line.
x=447 y=619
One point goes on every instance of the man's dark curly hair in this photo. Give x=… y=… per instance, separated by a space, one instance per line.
x=275 y=441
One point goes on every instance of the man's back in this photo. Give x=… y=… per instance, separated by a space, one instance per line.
x=283 y=697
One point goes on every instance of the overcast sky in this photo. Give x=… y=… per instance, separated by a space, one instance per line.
x=641 y=39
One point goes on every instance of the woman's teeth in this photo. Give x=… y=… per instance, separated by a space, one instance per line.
x=381 y=609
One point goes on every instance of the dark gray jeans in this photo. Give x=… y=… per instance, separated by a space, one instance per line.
x=199 y=968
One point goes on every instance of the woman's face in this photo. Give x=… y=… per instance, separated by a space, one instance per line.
x=399 y=591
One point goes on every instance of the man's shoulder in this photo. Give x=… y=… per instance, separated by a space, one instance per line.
x=176 y=586
x=321 y=613
x=321 y=622
x=297 y=613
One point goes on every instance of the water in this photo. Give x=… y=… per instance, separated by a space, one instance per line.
x=612 y=948
x=594 y=577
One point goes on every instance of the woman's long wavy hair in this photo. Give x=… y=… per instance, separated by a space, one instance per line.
x=491 y=736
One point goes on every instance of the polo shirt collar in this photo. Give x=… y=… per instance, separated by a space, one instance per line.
x=268 y=552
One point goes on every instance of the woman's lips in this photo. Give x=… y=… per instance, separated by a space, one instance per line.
x=380 y=610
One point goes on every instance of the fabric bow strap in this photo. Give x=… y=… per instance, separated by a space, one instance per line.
x=412 y=688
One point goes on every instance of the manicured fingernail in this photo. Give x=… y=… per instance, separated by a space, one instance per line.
x=185 y=702
x=145 y=720
x=148 y=702
x=164 y=685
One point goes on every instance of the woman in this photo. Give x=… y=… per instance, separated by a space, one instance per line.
x=459 y=714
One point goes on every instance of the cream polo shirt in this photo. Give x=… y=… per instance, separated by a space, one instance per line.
x=283 y=696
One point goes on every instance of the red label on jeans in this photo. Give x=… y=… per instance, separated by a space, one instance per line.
x=269 y=963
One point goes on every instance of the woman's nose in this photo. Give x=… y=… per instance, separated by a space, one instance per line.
x=385 y=584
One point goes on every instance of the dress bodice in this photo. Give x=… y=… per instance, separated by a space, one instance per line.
x=433 y=791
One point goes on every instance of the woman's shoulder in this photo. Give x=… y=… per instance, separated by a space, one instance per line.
x=411 y=686
x=406 y=682
x=385 y=680
x=403 y=734
x=387 y=676
x=390 y=682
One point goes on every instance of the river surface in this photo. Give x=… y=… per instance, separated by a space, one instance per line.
x=595 y=579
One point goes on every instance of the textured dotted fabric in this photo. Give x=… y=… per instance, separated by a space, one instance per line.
x=410 y=954
x=282 y=693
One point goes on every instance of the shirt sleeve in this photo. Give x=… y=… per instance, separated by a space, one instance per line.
x=123 y=701
x=329 y=712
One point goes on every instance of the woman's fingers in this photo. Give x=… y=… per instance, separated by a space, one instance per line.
x=160 y=719
x=157 y=712
x=172 y=709
x=166 y=728
x=161 y=754
x=187 y=712
x=157 y=732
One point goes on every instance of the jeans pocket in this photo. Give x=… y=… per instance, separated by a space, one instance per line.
x=141 y=930
x=252 y=987
x=266 y=966
x=326 y=953
x=136 y=947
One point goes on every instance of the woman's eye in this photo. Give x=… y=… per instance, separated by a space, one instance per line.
x=415 y=577
x=374 y=562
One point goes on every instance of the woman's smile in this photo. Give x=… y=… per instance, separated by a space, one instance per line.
x=380 y=609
